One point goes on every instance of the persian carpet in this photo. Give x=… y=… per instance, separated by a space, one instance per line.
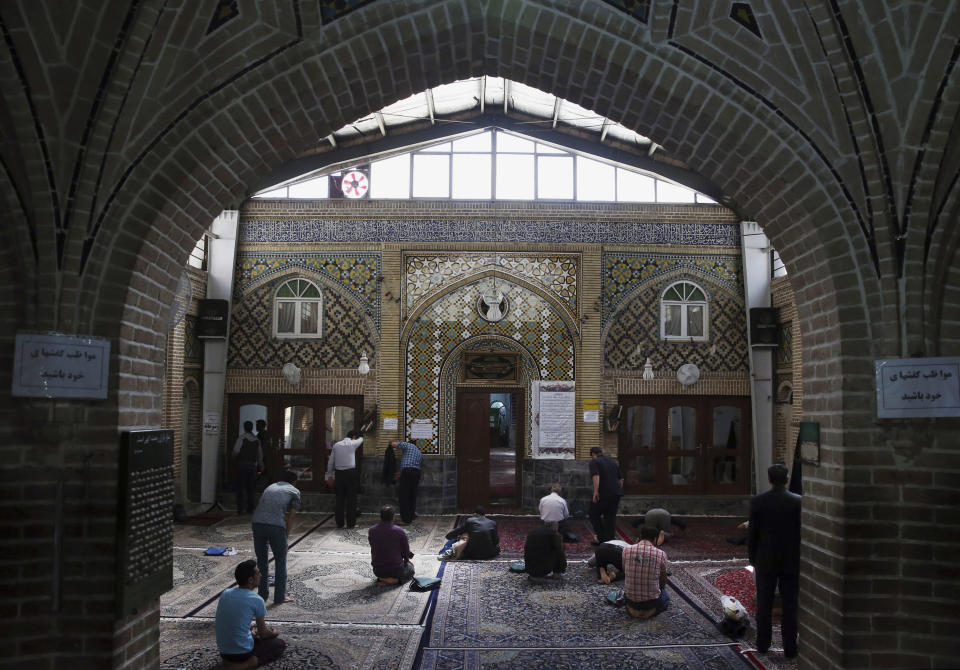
x=425 y=536
x=705 y=581
x=236 y=532
x=196 y=579
x=486 y=617
x=704 y=539
x=189 y=644
x=341 y=588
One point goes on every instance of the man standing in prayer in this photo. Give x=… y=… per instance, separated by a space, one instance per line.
x=411 y=463
x=248 y=460
x=645 y=575
x=271 y=464
x=272 y=523
x=389 y=550
x=236 y=608
x=607 y=489
x=773 y=540
x=343 y=474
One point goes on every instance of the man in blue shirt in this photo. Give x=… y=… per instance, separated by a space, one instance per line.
x=272 y=522
x=411 y=462
x=238 y=606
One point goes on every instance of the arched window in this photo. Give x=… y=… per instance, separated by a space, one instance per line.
x=298 y=310
x=683 y=312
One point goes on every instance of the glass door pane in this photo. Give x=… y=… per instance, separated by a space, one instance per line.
x=727 y=446
x=297 y=441
x=682 y=445
x=339 y=421
x=640 y=429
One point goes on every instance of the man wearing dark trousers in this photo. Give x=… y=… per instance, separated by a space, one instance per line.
x=343 y=474
x=607 y=489
x=248 y=459
x=774 y=544
x=408 y=478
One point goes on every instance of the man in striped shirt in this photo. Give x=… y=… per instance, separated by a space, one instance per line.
x=645 y=569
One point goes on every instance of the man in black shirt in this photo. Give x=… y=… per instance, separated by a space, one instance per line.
x=482 y=540
x=607 y=489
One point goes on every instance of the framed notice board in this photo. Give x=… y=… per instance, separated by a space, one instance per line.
x=144 y=518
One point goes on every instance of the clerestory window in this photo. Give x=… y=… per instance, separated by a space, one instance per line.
x=298 y=310
x=683 y=312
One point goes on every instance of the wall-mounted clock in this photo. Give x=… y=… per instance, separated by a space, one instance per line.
x=355 y=184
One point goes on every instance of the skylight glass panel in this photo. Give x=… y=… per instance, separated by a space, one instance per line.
x=596 y=181
x=312 y=189
x=701 y=198
x=431 y=176
x=390 y=178
x=514 y=177
x=479 y=142
x=547 y=149
x=456 y=97
x=512 y=143
x=667 y=192
x=634 y=187
x=555 y=177
x=471 y=176
x=272 y=193
x=443 y=147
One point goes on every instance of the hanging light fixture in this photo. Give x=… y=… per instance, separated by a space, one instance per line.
x=493 y=299
x=364 y=367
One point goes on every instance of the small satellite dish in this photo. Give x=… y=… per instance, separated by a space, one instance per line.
x=688 y=374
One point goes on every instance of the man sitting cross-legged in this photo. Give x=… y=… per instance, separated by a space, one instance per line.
x=645 y=569
x=390 y=550
x=238 y=606
x=476 y=537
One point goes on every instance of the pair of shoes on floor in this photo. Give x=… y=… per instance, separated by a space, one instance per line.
x=448 y=555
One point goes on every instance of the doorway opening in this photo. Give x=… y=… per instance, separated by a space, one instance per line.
x=488 y=444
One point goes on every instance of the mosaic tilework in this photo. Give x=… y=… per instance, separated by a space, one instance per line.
x=347 y=333
x=634 y=333
x=453 y=319
x=357 y=273
x=428 y=274
x=623 y=272
x=638 y=9
x=334 y=9
x=742 y=13
x=785 y=345
x=551 y=232
x=453 y=371
x=192 y=345
x=224 y=11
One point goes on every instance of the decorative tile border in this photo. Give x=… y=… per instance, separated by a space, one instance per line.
x=439 y=230
x=427 y=274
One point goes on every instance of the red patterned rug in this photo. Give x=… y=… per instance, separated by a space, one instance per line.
x=740 y=585
x=513 y=535
x=705 y=538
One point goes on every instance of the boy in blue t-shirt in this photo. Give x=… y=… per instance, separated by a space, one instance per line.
x=238 y=606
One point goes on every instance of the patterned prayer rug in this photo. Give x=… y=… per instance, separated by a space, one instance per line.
x=196 y=579
x=705 y=581
x=190 y=644
x=488 y=617
x=425 y=536
x=341 y=588
x=704 y=539
x=513 y=530
x=236 y=532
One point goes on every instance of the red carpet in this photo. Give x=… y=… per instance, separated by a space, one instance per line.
x=741 y=586
x=513 y=535
x=704 y=539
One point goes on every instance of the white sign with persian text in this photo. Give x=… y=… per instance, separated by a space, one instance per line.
x=918 y=387
x=421 y=429
x=555 y=419
x=60 y=366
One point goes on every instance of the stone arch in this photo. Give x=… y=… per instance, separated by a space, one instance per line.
x=450 y=370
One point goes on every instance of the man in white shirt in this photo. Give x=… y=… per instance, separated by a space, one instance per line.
x=553 y=509
x=343 y=475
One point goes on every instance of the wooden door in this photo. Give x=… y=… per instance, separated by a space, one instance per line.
x=685 y=445
x=304 y=427
x=473 y=449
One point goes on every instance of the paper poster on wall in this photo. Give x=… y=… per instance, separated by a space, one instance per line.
x=60 y=366
x=421 y=429
x=591 y=410
x=918 y=387
x=211 y=422
x=555 y=418
x=389 y=419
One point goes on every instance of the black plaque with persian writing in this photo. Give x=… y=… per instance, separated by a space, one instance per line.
x=501 y=367
x=144 y=518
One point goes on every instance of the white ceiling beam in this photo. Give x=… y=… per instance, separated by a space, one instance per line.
x=332 y=140
x=604 y=129
x=483 y=92
x=430 y=107
x=383 y=126
x=556 y=111
x=506 y=95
